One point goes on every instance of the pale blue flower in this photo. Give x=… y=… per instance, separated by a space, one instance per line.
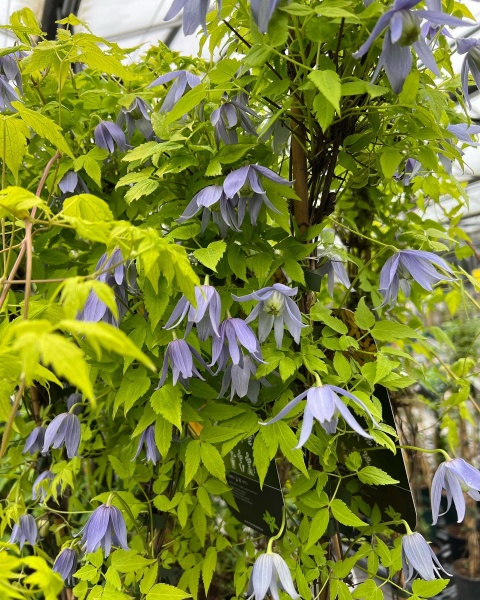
x=270 y=574
x=147 y=440
x=404 y=30
x=194 y=14
x=38 y=490
x=24 y=531
x=105 y=527
x=275 y=309
x=411 y=169
x=183 y=79
x=262 y=11
x=35 y=440
x=454 y=476
x=417 y=264
x=418 y=556
x=65 y=565
x=334 y=269
x=206 y=315
x=7 y=95
x=228 y=117
x=108 y=135
x=246 y=183
x=180 y=354
x=136 y=117
x=324 y=405
x=471 y=48
x=72 y=183
x=233 y=334
x=208 y=199
x=239 y=378
x=118 y=275
x=64 y=430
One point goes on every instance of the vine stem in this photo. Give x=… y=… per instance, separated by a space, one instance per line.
x=27 y=244
x=11 y=417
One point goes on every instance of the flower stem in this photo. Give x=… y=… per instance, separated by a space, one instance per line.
x=278 y=534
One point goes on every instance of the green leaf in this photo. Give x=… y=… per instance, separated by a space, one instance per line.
x=389 y=331
x=375 y=476
x=354 y=461
x=364 y=317
x=342 y=366
x=128 y=561
x=208 y=567
x=211 y=255
x=13 y=142
x=103 y=335
x=17 y=201
x=189 y=101
x=320 y=313
x=389 y=161
x=87 y=207
x=167 y=401
x=192 y=460
x=288 y=441
x=428 y=589
x=324 y=111
x=163 y=435
x=258 y=55
x=140 y=189
x=410 y=88
x=135 y=384
x=344 y=515
x=213 y=460
x=224 y=70
x=163 y=591
x=318 y=526
x=44 y=127
x=156 y=302
x=294 y=271
x=329 y=84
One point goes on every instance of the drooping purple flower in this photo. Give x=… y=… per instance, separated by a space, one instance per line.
x=207 y=199
x=183 y=79
x=74 y=403
x=7 y=95
x=35 y=440
x=64 y=430
x=180 y=354
x=324 y=405
x=147 y=440
x=418 y=264
x=105 y=527
x=194 y=14
x=418 y=556
x=234 y=333
x=118 y=275
x=206 y=316
x=108 y=135
x=430 y=30
x=239 y=378
x=454 y=476
x=404 y=30
x=65 y=565
x=463 y=132
x=137 y=116
x=262 y=11
x=38 y=490
x=411 y=169
x=227 y=117
x=9 y=68
x=72 y=183
x=275 y=309
x=333 y=268
x=471 y=48
x=270 y=574
x=245 y=182
x=24 y=531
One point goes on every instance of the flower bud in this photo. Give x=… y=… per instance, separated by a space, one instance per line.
x=410 y=28
x=274 y=305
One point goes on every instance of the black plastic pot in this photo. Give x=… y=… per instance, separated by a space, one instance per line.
x=467 y=588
